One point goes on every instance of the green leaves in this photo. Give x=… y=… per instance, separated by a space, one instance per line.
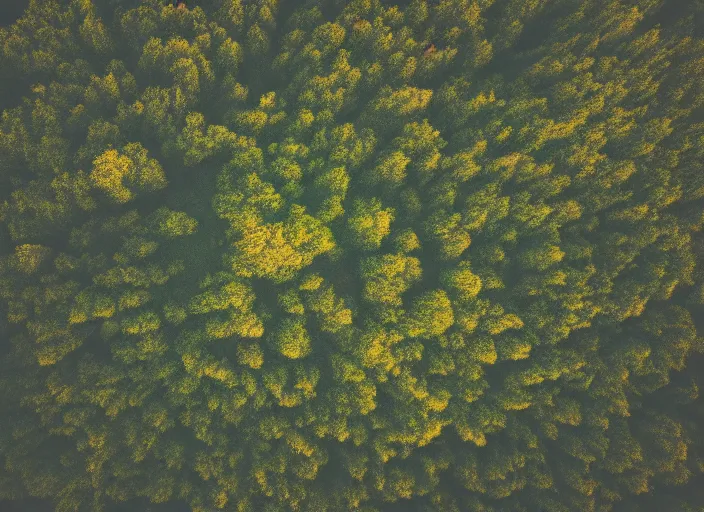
x=401 y=102
x=431 y=315
x=368 y=223
x=328 y=37
x=28 y=257
x=429 y=256
x=171 y=224
x=462 y=281
x=292 y=340
x=113 y=171
x=387 y=277
x=109 y=170
x=277 y=251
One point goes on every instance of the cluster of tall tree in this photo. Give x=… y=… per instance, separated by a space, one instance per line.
x=350 y=255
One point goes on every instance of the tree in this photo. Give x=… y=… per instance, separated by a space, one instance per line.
x=387 y=231
x=112 y=171
x=28 y=257
x=250 y=355
x=291 y=339
x=399 y=103
x=368 y=223
x=171 y=224
x=447 y=231
x=278 y=251
x=431 y=315
x=229 y=56
x=391 y=169
x=462 y=281
x=109 y=170
x=257 y=40
x=406 y=241
x=388 y=276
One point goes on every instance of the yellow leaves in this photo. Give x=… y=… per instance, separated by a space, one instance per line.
x=90 y=306
x=179 y=57
x=632 y=214
x=221 y=499
x=268 y=250
x=384 y=452
x=306 y=382
x=542 y=258
x=304 y=118
x=467 y=434
x=111 y=170
x=481 y=100
x=229 y=55
x=205 y=366
x=622 y=23
x=387 y=277
x=277 y=251
x=298 y=444
x=104 y=308
x=238 y=93
x=431 y=315
x=374 y=349
x=292 y=339
x=356 y=464
x=345 y=370
x=219 y=372
x=28 y=257
x=250 y=355
x=508 y=321
x=368 y=223
x=406 y=241
x=235 y=298
x=257 y=41
x=245 y=324
x=463 y=282
x=482 y=349
x=514 y=349
x=342 y=317
x=272 y=427
x=515 y=404
x=290 y=302
x=391 y=169
x=438 y=402
x=584 y=64
x=149 y=345
x=267 y=101
x=328 y=37
x=95 y=34
x=432 y=429
x=535 y=242
x=568 y=411
x=286 y=169
x=158 y=418
x=96 y=441
x=142 y=323
x=252 y=120
x=404 y=101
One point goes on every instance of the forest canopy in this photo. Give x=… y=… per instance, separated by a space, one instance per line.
x=331 y=255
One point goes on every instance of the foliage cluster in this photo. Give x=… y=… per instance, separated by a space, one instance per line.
x=332 y=255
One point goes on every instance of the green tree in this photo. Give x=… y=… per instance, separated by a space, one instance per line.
x=430 y=315
x=369 y=223
x=171 y=224
x=445 y=255
x=292 y=340
x=387 y=277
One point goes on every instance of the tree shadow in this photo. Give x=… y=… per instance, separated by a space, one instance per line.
x=12 y=11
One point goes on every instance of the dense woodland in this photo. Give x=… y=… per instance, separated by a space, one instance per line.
x=327 y=255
